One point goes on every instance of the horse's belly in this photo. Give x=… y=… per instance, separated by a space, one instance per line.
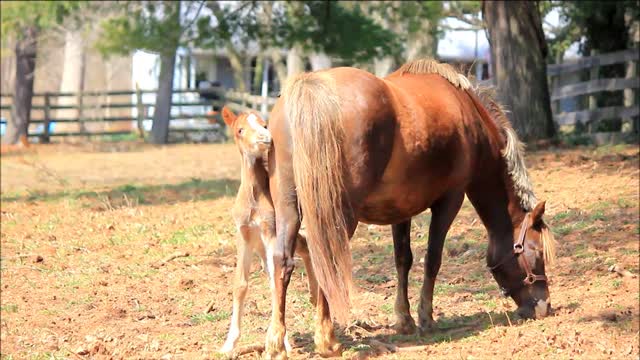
x=392 y=204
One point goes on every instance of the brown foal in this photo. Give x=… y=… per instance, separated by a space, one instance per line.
x=254 y=214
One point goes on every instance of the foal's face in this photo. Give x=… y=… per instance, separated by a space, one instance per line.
x=532 y=299
x=249 y=132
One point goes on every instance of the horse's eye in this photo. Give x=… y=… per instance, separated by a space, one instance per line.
x=240 y=131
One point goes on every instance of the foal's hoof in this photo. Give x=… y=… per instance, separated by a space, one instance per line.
x=275 y=355
x=329 y=350
x=405 y=326
x=227 y=349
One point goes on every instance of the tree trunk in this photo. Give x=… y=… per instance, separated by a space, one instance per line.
x=237 y=65
x=257 y=73
x=319 y=61
x=421 y=44
x=295 y=62
x=18 y=123
x=518 y=50
x=72 y=79
x=162 y=112
x=279 y=66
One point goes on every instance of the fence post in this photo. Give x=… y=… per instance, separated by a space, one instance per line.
x=141 y=114
x=81 y=125
x=44 y=138
x=593 y=103
x=630 y=95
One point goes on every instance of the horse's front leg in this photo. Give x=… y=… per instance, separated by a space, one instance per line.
x=240 y=286
x=443 y=211
x=279 y=256
x=404 y=259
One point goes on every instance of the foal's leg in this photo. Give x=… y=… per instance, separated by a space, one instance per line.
x=404 y=259
x=443 y=211
x=241 y=283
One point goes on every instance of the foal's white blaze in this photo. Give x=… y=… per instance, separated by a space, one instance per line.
x=253 y=122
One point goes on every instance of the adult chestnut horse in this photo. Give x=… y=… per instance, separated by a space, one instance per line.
x=349 y=146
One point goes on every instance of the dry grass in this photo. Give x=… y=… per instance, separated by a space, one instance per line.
x=94 y=224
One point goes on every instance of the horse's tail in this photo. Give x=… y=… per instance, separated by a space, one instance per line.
x=312 y=108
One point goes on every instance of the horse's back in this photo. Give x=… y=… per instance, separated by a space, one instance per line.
x=430 y=154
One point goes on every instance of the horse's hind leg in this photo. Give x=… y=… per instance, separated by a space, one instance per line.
x=404 y=259
x=241 y=284
x=303 y=251
x=443 y=211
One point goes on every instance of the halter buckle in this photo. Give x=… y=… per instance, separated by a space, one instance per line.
x=518 y=248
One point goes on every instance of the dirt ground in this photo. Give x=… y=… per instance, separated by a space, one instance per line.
x=85 y=230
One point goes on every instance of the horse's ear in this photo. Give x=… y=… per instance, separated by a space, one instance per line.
x=538 y=211
x=228 y=116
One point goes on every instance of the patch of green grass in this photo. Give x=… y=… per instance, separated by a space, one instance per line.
x=445 y=289
x=198 y=319
x=377 y=279
x=568 y=228
x=582 y=251
x=625 y=203
x=610 y=149
x=194 y=189
x=177 y=238
x=10 y=308
x=597 y=215
x=481 y=296
x=387 y=308
x=565 y=215
x=616 y=283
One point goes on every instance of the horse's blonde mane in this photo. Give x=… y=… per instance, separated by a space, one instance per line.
x=514 y=149
x=431 y=66
x=513 y=153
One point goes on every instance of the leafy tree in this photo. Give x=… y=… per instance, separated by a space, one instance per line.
x=306 y=27
x=156 y=27
x=22 y=22
x=414 y=24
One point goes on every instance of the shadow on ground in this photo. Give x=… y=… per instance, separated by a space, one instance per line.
x=133 y=195
x=360 y=337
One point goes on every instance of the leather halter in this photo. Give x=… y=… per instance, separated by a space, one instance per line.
x=518 y=249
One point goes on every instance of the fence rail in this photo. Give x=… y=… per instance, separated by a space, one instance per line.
x=207 y=99
x=565 y=83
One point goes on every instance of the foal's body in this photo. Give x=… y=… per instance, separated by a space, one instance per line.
x=253 y=214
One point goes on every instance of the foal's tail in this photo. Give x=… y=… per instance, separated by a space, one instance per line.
x=312 y=108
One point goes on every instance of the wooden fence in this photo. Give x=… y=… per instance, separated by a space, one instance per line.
x=565 y=83
x=91 y=107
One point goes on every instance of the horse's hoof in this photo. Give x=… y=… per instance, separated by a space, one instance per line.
x=405 y=326
x=427 y=327
x=329 y=350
